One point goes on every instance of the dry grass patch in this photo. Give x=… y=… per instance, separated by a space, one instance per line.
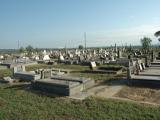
x=140 y=94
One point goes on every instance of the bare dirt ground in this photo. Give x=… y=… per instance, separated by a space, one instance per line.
x=140 y=94
x=109 y=91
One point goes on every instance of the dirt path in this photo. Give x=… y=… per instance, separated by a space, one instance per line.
x=104 y=90
x=109 y=91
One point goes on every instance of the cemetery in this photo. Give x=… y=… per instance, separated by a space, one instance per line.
x=88 y=77
x=101 y=73
x=79 y=60
x=113 y=61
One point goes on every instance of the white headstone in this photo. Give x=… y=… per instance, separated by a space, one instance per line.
x=143 y=66
x=93 y=65
x=71 y=55
x=44 y=52
x=46 y=57
x=61 y=58
x=140 y=67
x=112 y=58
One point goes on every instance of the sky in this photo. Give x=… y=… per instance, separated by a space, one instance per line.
x=60 y=23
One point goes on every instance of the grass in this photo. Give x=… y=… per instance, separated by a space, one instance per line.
x=17 y=103
x=5 y=73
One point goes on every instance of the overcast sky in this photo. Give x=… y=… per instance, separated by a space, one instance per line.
x=56 y=23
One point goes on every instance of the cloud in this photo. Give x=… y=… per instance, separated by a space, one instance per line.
x=122 y=36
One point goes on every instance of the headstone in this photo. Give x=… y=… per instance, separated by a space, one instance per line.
x=44 y=52
x=129 y=57
x=42 y=74
x=119 y=54
x=23 y=68
x=140 y=67
x=134 y=63
x=112 y=58
x=129 y=71
x=46 y=57
x=135 y=54
x=94 y=52
x=106 y=53
x=115 y=47
x=92 y=65
x=137 y=68
x=19 y=68
x=61 y=58
x=15 y=70
x=146 y=61
x=76 y=62
x=83 y=52
x=88 y=57
x=47 y=73
x=152 y=56
x=159 y=54
x=143 y=66
x=81 y=58
x=70 y=55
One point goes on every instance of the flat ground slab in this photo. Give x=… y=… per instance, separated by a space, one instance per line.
x=147 y=78
x=140 y=94
x=151 y=72
x=109 y=91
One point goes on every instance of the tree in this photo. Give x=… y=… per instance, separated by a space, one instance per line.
x=146 y=43
x=157 y=34
x=29 y=49
x=22 y=50
x=36 y=50
x=80 y=47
